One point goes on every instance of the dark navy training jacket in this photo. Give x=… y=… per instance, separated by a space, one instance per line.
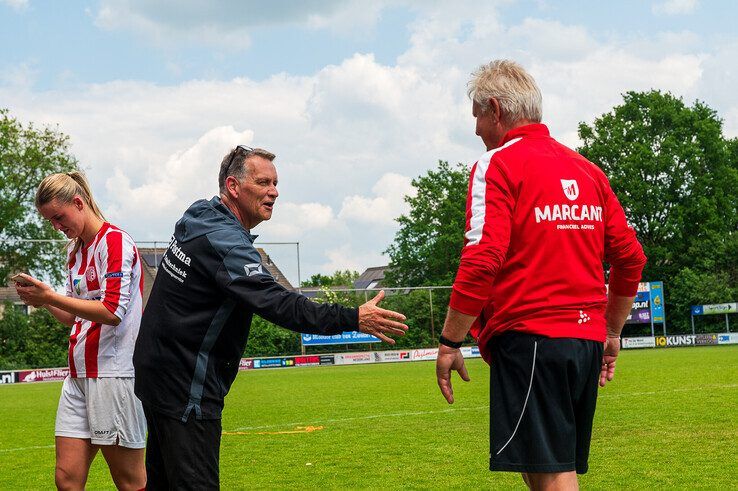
x=195 y=325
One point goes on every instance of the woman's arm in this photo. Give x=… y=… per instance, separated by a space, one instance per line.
x=38 y=293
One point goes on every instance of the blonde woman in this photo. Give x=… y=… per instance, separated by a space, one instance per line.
x=103 y=305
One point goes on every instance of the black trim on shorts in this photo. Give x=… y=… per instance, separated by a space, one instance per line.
x=543 y=395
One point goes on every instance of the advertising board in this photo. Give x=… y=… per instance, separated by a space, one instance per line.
x=728 y=338
x=706 y=339
x=640 y=312
x=42 y=374
x=716 y=308
x=669 y=341
x=307 y=361
x=7 y=378
x=246 y=364
x=391 y=356
x=638 y=342
x=425 y=354
x=343 y=338
x=353 y=358
x=273 y=362
x=327 y=360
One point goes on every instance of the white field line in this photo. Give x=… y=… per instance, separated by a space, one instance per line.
x=452 y=409
x=372 y=416
x=24 y=448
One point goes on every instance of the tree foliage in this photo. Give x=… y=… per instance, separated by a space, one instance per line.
x=427 y=248
x=27 y=155
x=676 y=176
x=339 y=278
x=31 y=341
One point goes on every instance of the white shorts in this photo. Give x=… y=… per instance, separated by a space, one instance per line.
x=105 y=410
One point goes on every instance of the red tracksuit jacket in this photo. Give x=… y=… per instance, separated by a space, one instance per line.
x=540 y=221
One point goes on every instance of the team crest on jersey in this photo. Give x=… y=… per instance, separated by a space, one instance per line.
x=91 y=274
x=571 y=189
x=253 y=269
x=76 y=282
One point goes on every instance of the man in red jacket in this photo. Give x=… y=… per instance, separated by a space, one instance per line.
x=540 y=222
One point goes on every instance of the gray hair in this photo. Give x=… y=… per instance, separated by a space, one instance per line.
x=234 y=163
x=513 y=87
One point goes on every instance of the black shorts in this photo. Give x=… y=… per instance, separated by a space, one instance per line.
x=181 y=455
x=543 y=393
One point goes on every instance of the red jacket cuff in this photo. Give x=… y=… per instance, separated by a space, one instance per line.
x=466 y=303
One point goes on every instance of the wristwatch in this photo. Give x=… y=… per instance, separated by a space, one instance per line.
x=449 y=343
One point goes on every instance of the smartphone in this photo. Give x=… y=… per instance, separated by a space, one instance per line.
x=19 y=280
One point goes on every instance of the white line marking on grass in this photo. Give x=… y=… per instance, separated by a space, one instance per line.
x=372 y=416
x=24 y=448
x=683 y=389
x=452 y=410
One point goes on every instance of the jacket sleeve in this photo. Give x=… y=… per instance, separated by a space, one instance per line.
x=243 y=277
x=490 y=204
x=622 y=249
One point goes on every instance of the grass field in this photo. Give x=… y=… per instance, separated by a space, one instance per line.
x=669 y=420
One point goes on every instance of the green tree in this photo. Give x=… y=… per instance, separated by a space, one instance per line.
x=13 y=337
x=676 y=176
x=27 y=155
x=344 y=278
x=427 y=247
x=48 y=341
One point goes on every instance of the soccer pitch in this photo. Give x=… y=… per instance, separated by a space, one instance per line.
x=668 y=420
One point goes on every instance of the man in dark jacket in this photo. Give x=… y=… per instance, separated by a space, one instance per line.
x=196 y=323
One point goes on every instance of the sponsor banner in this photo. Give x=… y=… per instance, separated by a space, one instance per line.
x=343 y=338
x=391 y=356
x=7 y=378
x=706 y=339
x=327 y=360
x=425 y=354
x=728 y=338
x=716 y=308
x=475 y=352
x=246 y=364
x=307 y=361
x=354 y=358
x=42 y=375
x=657 y=301
x=640 y=312
x=273 y=362
x=638 y=342
x=669 y=341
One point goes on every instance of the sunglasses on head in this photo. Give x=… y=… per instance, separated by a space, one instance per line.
x=233 y=156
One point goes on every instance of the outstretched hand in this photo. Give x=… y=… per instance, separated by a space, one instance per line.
x=380 y=322
x=609 y=355
x=449 y=359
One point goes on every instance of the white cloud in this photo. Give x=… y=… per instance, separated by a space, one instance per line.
x=675 y=7
x=16 y=5
x=229 y=23
x=388 y=203
x=349 y=137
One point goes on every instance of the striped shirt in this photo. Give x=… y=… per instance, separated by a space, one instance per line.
x=109 y=270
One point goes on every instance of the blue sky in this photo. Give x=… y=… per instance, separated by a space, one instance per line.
x=355 y=97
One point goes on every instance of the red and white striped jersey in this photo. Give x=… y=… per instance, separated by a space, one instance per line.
x=109 y=270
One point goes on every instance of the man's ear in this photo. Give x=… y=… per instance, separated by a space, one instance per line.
x=495 y=109
x=232 y=186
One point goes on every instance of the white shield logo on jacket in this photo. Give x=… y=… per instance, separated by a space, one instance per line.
x=571 y=190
